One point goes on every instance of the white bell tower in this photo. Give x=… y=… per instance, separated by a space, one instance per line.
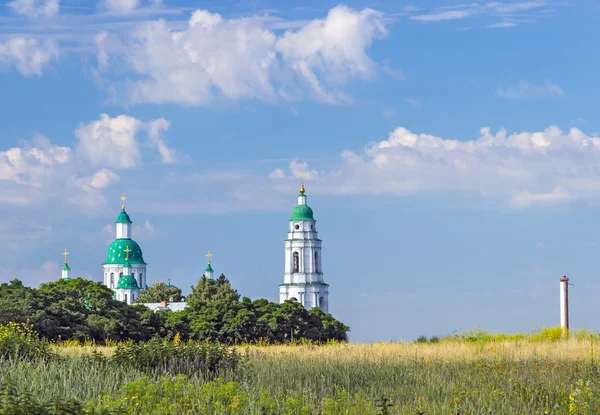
x=303 y=276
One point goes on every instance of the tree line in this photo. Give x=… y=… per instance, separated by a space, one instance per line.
x=85 y=310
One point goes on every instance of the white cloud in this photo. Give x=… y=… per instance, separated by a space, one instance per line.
x=503 y=24
x=463 y=11
x=113 y=142
x=33 y=166
x=526 y=90
x=36 y=8
x=155 y=129
x=523 y=169
x=104 y=178
x=216 y=58
x=515 y=7
x=121 y=6
x=110 y=141
x=526 y=199
x=30 y=56
x=445 y=15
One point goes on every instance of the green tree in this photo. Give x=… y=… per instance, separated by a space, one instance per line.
x=159 y=291
x=211 y=290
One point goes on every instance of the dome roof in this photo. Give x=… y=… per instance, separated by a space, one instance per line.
x=127 y=281
x=116 y=252
x=123 y=218
x=302 y=212
x=208 y=268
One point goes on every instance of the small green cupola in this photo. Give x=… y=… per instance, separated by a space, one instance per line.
x=66 y=270
x=208 y=271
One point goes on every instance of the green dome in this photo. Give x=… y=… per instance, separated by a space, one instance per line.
x=127 y=281
x=123 y=218
x=66 y=267
x=116 y=252
x=209 y=268
x=302 y=212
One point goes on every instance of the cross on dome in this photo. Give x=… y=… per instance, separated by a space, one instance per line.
x=127 y=251
x=65 y=255
x=302 y=190
x=208 y=256
x=123 y=199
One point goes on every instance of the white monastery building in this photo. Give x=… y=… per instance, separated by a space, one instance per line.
x=303 y=276
x=125 y=268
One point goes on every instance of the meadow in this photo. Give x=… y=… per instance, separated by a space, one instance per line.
x=470 y=373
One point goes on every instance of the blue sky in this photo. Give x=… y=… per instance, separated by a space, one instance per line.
x=451 y=150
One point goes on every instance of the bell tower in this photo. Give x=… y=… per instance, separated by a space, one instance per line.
x=303 y=275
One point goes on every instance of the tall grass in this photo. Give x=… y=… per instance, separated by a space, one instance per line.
x=475 y=373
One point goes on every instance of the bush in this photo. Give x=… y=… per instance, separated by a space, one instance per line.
x=18 y=341
x=160 y=357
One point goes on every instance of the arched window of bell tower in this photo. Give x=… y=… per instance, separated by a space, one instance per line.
x=316 y=262
x=296 y=262
x=112 y=280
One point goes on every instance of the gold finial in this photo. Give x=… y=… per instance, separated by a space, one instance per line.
x=208 y=256
x=302 y=185
x=123 y=199
x=65 y=255
x=127 y=251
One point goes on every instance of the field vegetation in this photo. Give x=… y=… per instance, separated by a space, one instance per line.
x=544 y=372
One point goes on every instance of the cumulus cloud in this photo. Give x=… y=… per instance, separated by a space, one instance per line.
x=524 y=169
x=114 y=142
x=110 y=141
x=36 y=8
x=216 y=58
x=526 y=90
x=29 y=56
x=33 y=166
x=104 y=178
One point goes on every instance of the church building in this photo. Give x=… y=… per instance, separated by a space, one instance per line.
x=303 y=275
x=124 y=256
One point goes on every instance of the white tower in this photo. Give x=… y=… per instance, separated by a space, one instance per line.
x=208 y=272
x=127 y=289
x=303 y=277
x=115 y=256
x=66 y=271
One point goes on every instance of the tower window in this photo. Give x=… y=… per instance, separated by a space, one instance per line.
x=296 y=262
x=125 y=297
x=141 y=278
x=316 y=262
x=112 y=280
x=297 y=227
x=120 y=274
x=321 y=303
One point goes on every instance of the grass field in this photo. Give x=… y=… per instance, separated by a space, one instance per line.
x=494 y=375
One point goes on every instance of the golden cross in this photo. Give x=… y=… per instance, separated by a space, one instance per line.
x=123 y=199
x=302 y=176
x=208 y=256
x=127 y=251
x=65 y=255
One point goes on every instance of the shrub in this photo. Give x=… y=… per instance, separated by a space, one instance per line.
x=421 y=339
x=160 y=357
x=18 y=341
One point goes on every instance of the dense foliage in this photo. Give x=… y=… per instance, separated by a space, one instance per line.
x=84 y=310
x=158 y=292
